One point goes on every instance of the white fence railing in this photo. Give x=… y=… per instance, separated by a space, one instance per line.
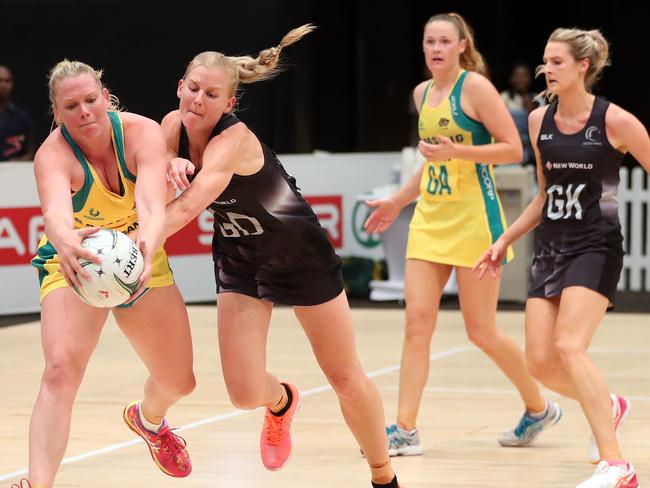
x=634 y=196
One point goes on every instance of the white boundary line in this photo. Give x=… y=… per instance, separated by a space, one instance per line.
x=494 y=391
x=218 y=418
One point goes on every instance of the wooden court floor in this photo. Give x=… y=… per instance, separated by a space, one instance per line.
x=467 y=402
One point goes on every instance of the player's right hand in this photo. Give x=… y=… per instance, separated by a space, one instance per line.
x=384 y=213
x=69 y=250
x=177 y=172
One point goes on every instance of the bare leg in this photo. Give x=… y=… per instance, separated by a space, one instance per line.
x=478 y=303
x=70 y=331
x=158 y=328
x=243 y=329
x=543 y=359
x=424 y=282
x=580 y=314
x=329 y=329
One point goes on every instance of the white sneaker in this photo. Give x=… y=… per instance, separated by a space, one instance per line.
x=403 y=442
x=608 y=476
x=530 y=427
x=620 y=410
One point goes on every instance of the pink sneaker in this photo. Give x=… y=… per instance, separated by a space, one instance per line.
x=620 y=411
x=275 y=441
x=167 y=449
x=622 y=408
x=21 y=485
x=612 y=476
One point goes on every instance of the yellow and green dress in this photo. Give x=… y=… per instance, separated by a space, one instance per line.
x=458 y=215
x=95 y=206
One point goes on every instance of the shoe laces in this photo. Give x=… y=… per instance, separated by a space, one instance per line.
x=391 y=429
x=604 y=467
x=274 y=426
x=171 y=443
x=20 y=484
x=395 y=442
x=525 y=422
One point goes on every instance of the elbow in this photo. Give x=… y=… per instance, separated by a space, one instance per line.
x=181 y=214
x=188 y=212
x=517 y=152
x=149 y=209
x=50 y=221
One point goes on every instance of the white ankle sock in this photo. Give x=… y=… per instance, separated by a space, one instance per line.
x=148 y=425
x=540 y=415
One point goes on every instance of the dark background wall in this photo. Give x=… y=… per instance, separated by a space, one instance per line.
x=347 y=85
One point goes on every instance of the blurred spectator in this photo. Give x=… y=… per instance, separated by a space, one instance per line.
x=521 y=101
x=16 y=134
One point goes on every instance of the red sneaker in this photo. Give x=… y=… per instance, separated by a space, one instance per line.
x=167 y=449
x=275 y=441
x=21 y=485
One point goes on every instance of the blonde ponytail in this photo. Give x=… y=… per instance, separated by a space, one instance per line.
x=246 y=69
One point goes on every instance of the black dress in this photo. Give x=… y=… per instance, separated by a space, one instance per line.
x=579 y=240
x=268 y=242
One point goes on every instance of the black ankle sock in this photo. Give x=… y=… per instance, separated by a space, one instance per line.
x=288 y=405
x=392 y=484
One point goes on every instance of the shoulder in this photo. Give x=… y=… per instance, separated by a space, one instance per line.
x=622 y=126
x=476 y=84
x=171 y=126
x=535 y=119
x=138 y=129
x=237 y=133
x=481 y=98
x=54 y=151
x=135 y=122
x=617 y=117
x=536 y=116
x=418 y=92
x=172 y=119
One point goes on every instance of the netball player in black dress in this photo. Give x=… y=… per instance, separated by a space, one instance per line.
x=268 y=248
x=580 y=140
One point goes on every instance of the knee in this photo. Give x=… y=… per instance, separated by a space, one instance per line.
x=485 y=338
x=62 y=373
x=185 y=385
x=539 y=363
x=569 y=348
x=348 y=382
x=178 y=385
x=420 y=322
x=245 y=399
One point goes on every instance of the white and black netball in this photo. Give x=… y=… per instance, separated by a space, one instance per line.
x=117 y=277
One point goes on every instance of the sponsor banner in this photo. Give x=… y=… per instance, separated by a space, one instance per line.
x=329 y=209
x=333 y=184
x=22 y=228
x=20 y=231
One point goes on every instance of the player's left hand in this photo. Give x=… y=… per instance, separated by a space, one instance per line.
x=492 y=260
x=146 y=271
x=442 y=151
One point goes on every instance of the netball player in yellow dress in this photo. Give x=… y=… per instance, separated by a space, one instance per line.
x=464 y=128
x=86 y=173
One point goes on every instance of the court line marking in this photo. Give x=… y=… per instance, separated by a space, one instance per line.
x=494 y=391
x=227 y=415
